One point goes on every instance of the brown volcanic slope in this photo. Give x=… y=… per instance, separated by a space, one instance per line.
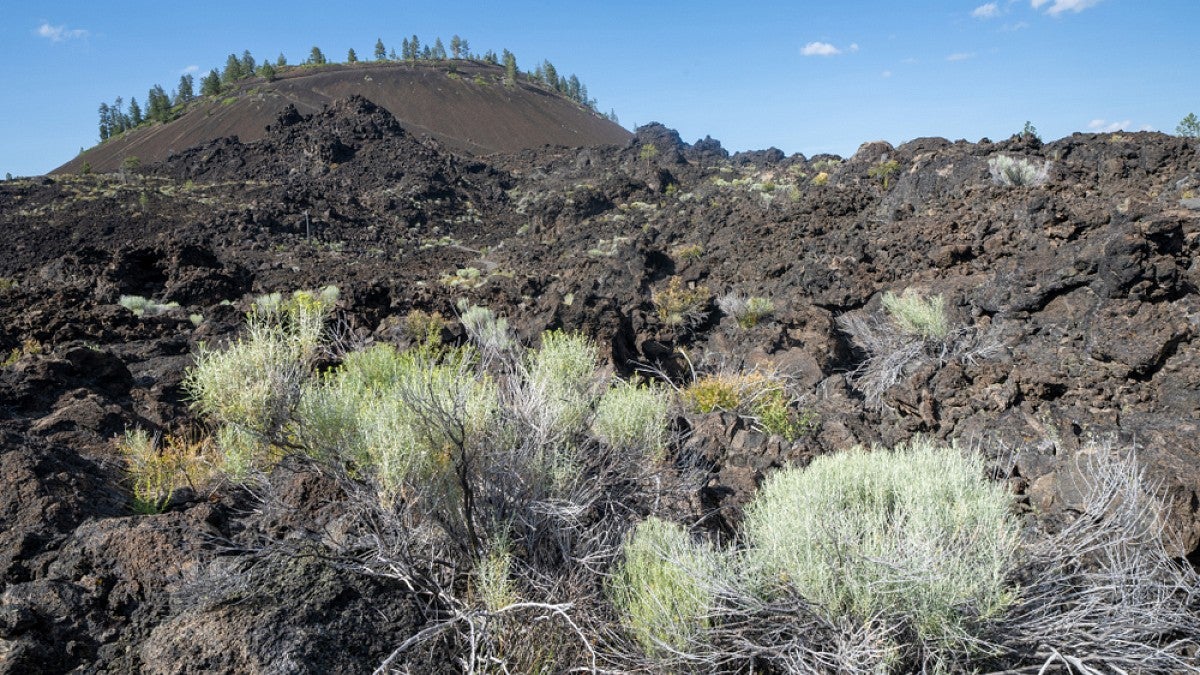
x=472 y=110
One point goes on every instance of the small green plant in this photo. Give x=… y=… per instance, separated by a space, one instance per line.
x=466 y=276
x=1029 y=132
x=28 y=346
x=648 y=152
x=682 y=306
x=196 y=319
x=746 y=310
x=157 y=467
x=630 y=416
x=487 y=330
x=493 y=584
x=662 y=587
x=822 y=178
x=915 y=314
x=775 y=415
x=1015 y=172
x=758 y=396
x=688 y=252
x=421 y=326
x=884 y=171
x=914 y=535
x=7 y=285
x=143 y=307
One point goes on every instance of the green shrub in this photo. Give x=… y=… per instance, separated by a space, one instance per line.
x=251 y=387
x=662 y=588
x=633 y=417
x=687 y=252
x=914 y=535
x=377 y=411
x=884 y=171
x=682 y=306
x=157 y=467
x=775 y=415
x=915 y=314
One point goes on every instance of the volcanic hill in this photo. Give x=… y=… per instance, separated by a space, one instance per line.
x=1073 y=310
x=468 y=109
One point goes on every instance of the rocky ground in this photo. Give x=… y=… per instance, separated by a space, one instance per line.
x=1085 y=289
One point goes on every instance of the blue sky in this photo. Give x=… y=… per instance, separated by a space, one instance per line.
x=803 y=76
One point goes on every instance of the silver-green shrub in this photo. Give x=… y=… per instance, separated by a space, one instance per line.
x=141 y=306
x=662 y=588
x=1014 y=171
x=916 y=314
x=634 y=417
x=561 y=383
x=913 y=535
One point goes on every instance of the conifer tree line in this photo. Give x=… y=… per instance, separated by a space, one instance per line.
x=117 y=117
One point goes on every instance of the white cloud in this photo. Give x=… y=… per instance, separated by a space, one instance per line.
x=820 y=49
x=190 y=69
x=60 y=33
x=1059 y=6
x=960 y=56
x=853 y=47
x=987 y=11
x=1106 y=127
x=1014 y=27
x=887 y=73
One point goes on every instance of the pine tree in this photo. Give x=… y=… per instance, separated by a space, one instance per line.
x=414 y=47
x=135 y=112
x=248 y=64
x=392 y=54
x=439 y=51
x=210 y=85
x=426 y=53
x=380 y=52
x=105 y=128
x=315 y=57
x=158 y=104
x=466 y=48
x=550 y=74
x=575 y=88
x=406 y=50
x=233 y=70
x=267 y=71
x=281 y=61
x=1189 y=126
x=490 y=57
x=186 y=89
x=119 y=124
x=351 y=57
x=510 y=67
x=456 y=47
